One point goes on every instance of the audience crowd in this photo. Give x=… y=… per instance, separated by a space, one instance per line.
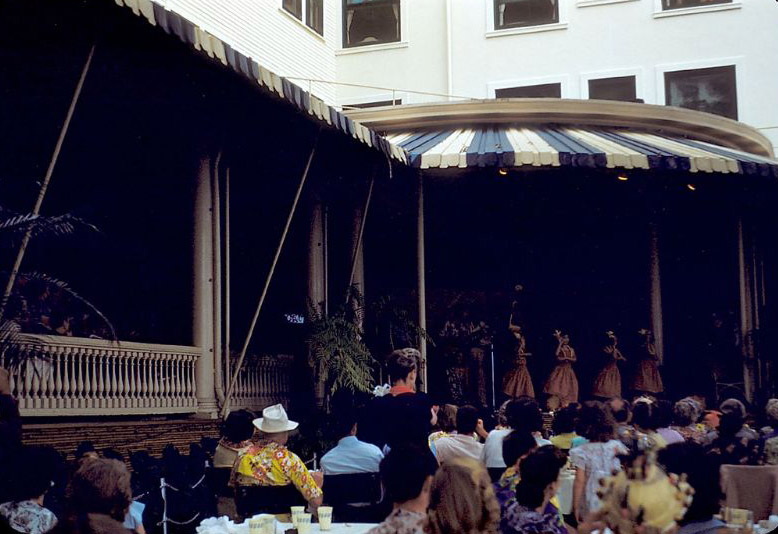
x=438 y=469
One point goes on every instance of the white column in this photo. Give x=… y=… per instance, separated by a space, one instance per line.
x=316 y=258
x=421 y=280
x=748 y=315
x=657 y=325
x=203 y=291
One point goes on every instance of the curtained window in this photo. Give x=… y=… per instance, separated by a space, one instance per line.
x=522 y=13
x=680 y=4
x=711 y=90
x=619 y=88
x=367 y=22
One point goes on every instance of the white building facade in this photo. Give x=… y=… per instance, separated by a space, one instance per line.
x=711 y=55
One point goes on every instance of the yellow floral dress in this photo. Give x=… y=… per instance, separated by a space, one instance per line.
x=271 y=464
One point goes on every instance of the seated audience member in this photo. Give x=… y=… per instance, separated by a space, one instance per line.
x=702 y=473
x=733 y=442
x=403 y=415
x=686 y=414
x=644 y=422
x=31 y=479
x=769 y=441
x=350 y=455
x=10 y=434
x=235 y=438
x=447 y=425
x=462 y=500
x=664 y=416
x=594 y=460
x=98 y=498
x=621 y=411
x=85 y=451
x=530 y=513
x=563 y=427
x=133 y=520
x=407 y=472
x=515 y=447
x=521 y=414
x=736 y=407
x=463 y=443
x=270 y=463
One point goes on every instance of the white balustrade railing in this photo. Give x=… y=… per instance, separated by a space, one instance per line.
x=78 y=376
x=263 y=381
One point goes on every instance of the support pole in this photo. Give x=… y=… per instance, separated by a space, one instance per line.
x=747 y=315
x=657 y=325
x=225 y=409
x=357 y=257
x=227 y=272
x=421 y=281
x=316 y=258
x=216 y=248
x=45 y=184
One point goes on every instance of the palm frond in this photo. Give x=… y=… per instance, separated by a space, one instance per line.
x=17 y=224
x=15 y=347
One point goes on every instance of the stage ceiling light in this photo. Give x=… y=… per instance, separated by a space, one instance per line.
x=691 y=187
x=623 y=177
x=502 y=171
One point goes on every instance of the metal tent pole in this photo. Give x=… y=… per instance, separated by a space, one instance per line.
x=421 y=281
x=46 y=179
x=269 y=276
x=361 y=233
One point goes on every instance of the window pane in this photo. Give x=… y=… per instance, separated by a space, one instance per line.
x=619 y=88
x=520 y=13
x=678 y=4
x=314 y=18
x=295 y=7
x=546 y=90
x=367 y=22
x=711 y=90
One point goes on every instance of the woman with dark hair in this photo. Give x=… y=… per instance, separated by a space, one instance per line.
x=98 y=498
x=664 y=417
x=563 y=427
x=731 y=444
x=447 y=424
x=596 y=459
x=236 y=438
x=644 y=420
x=33 y=477
x=529 y=514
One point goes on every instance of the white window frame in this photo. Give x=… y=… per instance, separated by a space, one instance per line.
x=563 y=79
x=302 y=23
x=405 y=6
x=660 y=13
x=637 y=72
x=736 y=61
x=491 y=31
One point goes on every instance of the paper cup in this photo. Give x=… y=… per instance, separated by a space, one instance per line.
x=304 y=524
x=325 y=517
x=267 y=524
x=255 y=525
x=296 y=511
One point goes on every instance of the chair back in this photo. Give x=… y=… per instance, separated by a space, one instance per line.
x=752 y=488
x=218 y=480
x=355 y=497
x=252 y=500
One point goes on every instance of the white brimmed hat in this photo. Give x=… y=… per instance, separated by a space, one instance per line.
x=274 y=420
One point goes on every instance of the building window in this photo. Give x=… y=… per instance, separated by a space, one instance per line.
x=376 y=104
x=711 y=90
x=313 y=9
x=545 y=90
x=680 y=4
x=367 y=22
x=522 y=13
x=620 y=88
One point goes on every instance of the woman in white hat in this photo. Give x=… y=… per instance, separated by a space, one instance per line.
x=270 y=463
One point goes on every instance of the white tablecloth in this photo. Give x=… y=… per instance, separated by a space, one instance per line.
x=337 y=528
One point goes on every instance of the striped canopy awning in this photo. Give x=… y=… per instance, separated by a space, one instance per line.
x=536 y=146
x=173 y=23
